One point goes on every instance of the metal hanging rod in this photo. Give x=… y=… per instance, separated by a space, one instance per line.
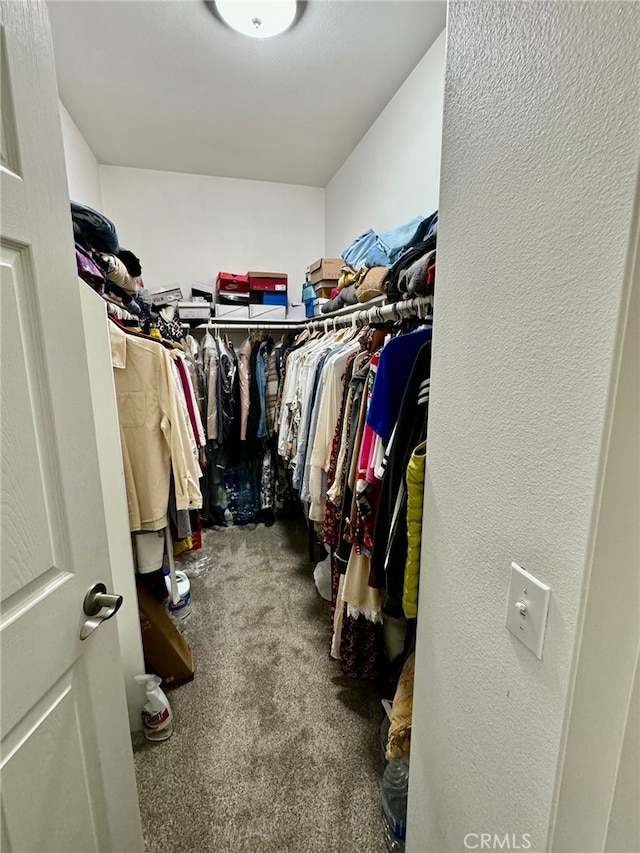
x=242 y=325
x=419 y=306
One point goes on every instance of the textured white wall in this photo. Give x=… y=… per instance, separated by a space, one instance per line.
x=189 y=227
x=623 y=832
x=610 y=633
x=539 y=165
x=83 y=175
x=394 y=172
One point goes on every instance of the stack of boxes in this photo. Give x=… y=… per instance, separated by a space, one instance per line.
x=198 y=308
x=195 y=309
x=267 y=295
x=254 y=296
x=233 y=296
x=323 y=275
x=258 y=295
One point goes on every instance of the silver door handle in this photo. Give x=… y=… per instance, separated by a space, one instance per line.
x=95 y=601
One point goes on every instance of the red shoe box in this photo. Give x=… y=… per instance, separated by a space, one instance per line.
x=229 y=282
x=275 y=282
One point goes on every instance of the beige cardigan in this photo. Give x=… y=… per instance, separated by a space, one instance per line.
x=153 y=432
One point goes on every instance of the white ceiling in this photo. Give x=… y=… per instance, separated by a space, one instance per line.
x=165 y=85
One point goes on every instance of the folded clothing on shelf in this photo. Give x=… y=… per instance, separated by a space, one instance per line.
x=388 y=247
x=414 y=274
x=372 y=284
x=345 y=297
x=116 y=271
x=89 y=271
x=94 y=228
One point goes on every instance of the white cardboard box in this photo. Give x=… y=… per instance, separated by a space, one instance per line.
x=297 y=311
x=232 y=312
x=267 y=312
x=163 y=297
x=194 y=310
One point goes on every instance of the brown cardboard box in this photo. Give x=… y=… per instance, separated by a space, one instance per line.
x=325 y=268
x=262 y=274
x=165 y=650
x=325 y=288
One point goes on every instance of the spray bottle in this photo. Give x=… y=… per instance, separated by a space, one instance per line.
x=157 y=719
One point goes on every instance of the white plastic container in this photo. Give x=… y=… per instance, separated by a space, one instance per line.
x=182 y=608
x=157 y=718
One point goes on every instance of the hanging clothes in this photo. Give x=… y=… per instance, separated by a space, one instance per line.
x=415 y=495
x=210 y=374
x=226 y=389
x=244 y=357
x=390 y=545
x=195 y=366
x=153 y=430
x=350 y=410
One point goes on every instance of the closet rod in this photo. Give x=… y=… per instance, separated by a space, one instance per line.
x=419 y=306
x=248 y=324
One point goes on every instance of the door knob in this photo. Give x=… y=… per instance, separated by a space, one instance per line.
x=96 y=601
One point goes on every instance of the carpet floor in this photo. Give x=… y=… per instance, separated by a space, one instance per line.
x=274 y=749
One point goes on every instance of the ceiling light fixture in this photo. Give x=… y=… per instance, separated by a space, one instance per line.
x=259 y=19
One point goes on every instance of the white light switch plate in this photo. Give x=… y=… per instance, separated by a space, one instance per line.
x=527 y=609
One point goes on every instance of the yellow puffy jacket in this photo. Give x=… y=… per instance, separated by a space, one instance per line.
x=415 y=493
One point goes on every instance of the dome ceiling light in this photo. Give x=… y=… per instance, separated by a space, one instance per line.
x=260 y=19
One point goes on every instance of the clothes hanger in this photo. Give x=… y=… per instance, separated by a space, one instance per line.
x=356 y=331
x=348 y=333
x=136 y=332
x=340 y=334
x=303 y=336
x=352 y=331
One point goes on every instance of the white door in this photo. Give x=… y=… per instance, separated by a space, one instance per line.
x=68 y=782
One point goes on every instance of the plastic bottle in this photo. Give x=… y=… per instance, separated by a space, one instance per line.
x=157 y=719
x=395 y=784
x=179 y=612
x=384 y=736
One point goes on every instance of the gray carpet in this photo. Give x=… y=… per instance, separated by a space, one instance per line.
x=274 y=749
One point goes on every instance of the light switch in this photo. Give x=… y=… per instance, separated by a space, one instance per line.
x=527 y=609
